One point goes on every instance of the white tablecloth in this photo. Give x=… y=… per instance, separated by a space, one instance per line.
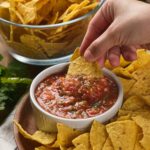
x=7 y=141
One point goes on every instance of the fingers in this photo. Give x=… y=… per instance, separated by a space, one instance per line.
x=101 y=61
x=100 y=46
x=129 y=53
x=97 y=26
x=114 y=56
x=146 y=46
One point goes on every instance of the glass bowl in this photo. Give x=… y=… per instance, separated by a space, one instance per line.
x=44 y=44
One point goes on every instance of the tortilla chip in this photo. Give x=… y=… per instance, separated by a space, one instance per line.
x=12 y=10
x=43 y=148
x=121 y=118
x=98 y=135
x=75 y=1
x=143 y=57
x=63 y=148
x=75 y=55
x=142 y=87
x=43 y=13
x=55 y=145
x=32 y=41
x=143 y=60
x=60 y=6
x=4 y=10
x=138 y=145
x=127 y=85
x=79 y=66
x=132 y=107
x=108 y=145
x=83 y=139
x=28 y=14
x=123 y=63
x=75 y=12
x=144 y=123
x=4 y=4
x=66 y=148
x=26 y=51
x=130 y=113
x=88 y=8
x=66 y=135
x=39 y=136
x=122 y=134
x=134 y=103
x=68 y=10
x=122 y=72
x=53 y=19
x=17 y=16
x=71 y=148
x=80 y=147
x=52 y=49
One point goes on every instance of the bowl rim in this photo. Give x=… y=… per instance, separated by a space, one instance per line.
x=54 y=25
x=36 y=81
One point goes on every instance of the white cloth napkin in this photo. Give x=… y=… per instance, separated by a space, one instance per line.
x=7 y=141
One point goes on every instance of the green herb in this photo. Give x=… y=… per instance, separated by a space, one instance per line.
x=97 y=104
x=14 y=82
x=1 y=57
x=17 y=69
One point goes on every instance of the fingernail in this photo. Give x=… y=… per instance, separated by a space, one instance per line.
x=88 y=55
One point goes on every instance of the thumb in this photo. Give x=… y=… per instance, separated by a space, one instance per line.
x=101 y=45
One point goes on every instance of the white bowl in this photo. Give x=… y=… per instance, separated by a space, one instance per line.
x=47 y=122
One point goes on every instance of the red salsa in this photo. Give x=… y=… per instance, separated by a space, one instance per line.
x=76 y=97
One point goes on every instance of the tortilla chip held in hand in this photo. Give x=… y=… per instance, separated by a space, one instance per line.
x=79 y=66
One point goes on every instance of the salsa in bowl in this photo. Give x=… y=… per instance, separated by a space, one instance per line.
x=76 y=97
x=75 y=101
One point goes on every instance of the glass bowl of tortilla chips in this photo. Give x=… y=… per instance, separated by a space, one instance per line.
x=44 y=32
x=60 y=95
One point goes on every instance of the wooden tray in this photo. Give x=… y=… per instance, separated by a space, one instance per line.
x=24 y=115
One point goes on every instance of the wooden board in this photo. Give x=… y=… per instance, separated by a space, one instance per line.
x=24 y=115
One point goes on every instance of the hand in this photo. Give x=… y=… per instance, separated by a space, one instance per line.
x=118 y=28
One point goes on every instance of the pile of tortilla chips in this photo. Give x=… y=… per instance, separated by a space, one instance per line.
x=122 y=134
x=48 y=42
x=129 y=130
x=135 y=76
